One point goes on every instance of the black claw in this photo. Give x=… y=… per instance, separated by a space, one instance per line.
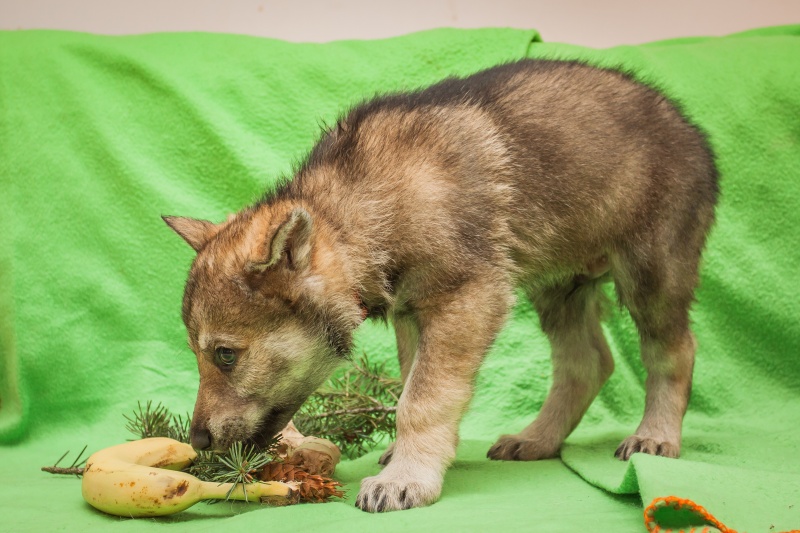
x=515 y=452
x=381 y=504
x=405 y=501
x=622 y=453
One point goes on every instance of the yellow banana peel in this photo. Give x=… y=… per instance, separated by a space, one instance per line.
x=142 y=478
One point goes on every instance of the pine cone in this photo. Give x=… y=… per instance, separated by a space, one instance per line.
x=310 y=488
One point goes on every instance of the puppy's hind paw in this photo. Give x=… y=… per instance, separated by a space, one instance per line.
x=517 y=448
x=652 y=446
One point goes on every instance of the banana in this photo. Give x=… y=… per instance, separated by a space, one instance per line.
x=143 y=478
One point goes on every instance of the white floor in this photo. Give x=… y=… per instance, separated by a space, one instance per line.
x=598 y=23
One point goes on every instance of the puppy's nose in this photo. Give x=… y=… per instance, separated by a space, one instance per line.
x=201 y=439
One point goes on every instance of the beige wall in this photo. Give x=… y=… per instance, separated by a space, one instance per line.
x=595 y=23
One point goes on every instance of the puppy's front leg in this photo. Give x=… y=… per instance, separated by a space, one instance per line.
x=456 y=330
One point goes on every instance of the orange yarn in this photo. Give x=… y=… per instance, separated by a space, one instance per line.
x=683 y=504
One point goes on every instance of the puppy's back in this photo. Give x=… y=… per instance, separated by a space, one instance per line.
x=550 y=162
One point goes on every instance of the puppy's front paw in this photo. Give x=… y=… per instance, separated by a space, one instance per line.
x=517 y=448
x=387 y=492
x=653 y=446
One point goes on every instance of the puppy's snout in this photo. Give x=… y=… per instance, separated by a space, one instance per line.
x=201 y=439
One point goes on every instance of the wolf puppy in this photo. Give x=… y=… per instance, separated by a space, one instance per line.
x=428 y=208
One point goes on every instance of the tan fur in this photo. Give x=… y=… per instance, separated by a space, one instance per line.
x=428 y=209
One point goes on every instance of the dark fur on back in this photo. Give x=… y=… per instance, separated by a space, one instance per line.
x=482 y=90
x=557 y=167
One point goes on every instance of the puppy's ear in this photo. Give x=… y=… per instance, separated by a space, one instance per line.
x=291 y=242
x=195 y=232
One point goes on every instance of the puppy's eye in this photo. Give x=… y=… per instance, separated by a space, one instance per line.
x=224 y=357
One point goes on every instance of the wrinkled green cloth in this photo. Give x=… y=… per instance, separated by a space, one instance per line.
x=99 y=136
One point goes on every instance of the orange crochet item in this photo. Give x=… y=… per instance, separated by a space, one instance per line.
x=698 y=512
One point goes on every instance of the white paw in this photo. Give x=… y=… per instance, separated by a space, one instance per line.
x=399 y=488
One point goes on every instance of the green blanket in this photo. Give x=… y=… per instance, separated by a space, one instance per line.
x=99 y=136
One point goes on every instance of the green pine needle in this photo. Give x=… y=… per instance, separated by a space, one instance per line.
x=355 y=410
x=240 y=464
x=158 y=421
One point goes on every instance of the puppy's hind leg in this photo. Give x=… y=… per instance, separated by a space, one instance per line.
x=570 y=316
x=669 y=383
x=659 y=301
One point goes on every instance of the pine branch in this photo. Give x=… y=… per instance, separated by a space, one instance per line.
x=355 y=410
x=179 y=428
x=77 y=471
x=240 y=464
x=75 y=468
x=360 y=410
x=150 y=421
x=158 y=421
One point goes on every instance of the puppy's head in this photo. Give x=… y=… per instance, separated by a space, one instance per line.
x=269 y=316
